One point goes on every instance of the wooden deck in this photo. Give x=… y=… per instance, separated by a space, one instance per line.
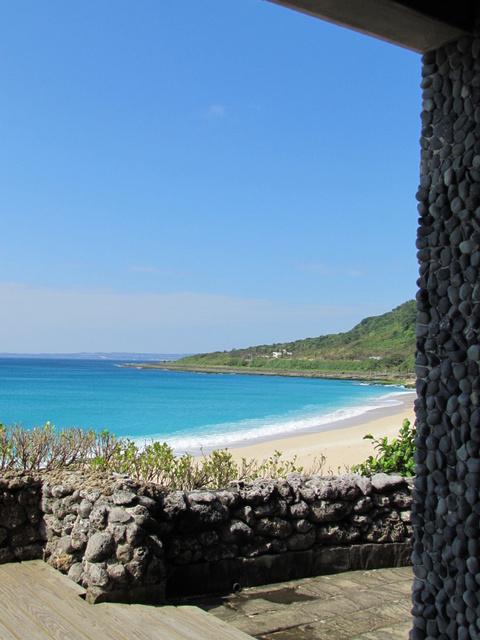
x=39 y=603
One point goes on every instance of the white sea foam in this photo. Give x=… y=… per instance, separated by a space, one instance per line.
x=236 y=433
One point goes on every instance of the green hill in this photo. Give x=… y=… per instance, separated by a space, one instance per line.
x=383 y=344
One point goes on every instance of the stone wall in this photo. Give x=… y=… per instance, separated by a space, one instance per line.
x=269 y=531
x=129 y=541
x=446 y=510
x=101 y=530
x=21 y=530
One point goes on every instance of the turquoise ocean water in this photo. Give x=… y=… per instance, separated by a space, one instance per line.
x=187 y=410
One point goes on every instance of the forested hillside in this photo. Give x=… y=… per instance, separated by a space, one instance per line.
x=383 y=343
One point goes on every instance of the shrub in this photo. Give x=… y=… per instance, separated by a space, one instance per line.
x=44 y=448
x=393 y=457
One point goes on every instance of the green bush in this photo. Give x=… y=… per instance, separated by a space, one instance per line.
x=157 y=463
x=393 y=457
x=44 y=448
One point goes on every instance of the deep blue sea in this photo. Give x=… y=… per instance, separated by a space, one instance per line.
x=187 y=410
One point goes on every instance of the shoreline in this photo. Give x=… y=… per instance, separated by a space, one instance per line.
x=386 y=378
x=341 y=442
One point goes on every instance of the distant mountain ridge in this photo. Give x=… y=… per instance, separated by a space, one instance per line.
x=98 y=355
x=384 y=343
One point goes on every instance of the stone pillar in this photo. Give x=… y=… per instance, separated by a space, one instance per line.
x=446 y=510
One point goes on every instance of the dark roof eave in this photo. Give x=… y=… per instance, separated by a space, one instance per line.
x=387 y=20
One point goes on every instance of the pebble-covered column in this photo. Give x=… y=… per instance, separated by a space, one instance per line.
x=446 y=510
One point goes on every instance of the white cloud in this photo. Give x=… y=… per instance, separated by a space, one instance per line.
x=41 y=319
x=355 y=273
x=327 y=271
x=140 y=269
x=216 y=111
x=321 y=269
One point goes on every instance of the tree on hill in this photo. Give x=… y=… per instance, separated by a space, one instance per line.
x=377 y=343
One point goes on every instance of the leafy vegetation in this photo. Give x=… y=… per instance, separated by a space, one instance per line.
x=377 y=344
x=45 y=448
x=393 y=457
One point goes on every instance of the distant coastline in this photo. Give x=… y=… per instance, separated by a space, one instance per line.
x=380 y=349
x=187 y=410
x=404 y=379
x=98 y=355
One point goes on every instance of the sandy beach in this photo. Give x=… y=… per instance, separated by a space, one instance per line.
x=342 y=444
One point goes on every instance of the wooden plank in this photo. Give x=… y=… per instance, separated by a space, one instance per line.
x=174 y=622
x=21 y=615
x=29 y=610
x=69 y=593
x=72 y=610
x=198 y=627
x=212 y=626
x=165 y=615
x=130 y=620
x=7 y=633
x=53 y=576
x=39 y=603
x=153 y=617
x=24 y=624
x=208 y=620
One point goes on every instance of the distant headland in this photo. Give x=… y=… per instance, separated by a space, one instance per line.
x=379 y=348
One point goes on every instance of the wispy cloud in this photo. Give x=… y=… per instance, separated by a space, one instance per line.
x=327 y=271
x=321 y=269
x=40 y=319
x=140 y=269
x=216 y=111
x=146 y=269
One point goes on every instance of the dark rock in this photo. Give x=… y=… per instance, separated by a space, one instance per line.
x=273 y=527
x=273 y=507
x=85 y=508
x=98 y=517
x=258 y=492
x=301 y=541
x=302 y=526
x=75 y=572
x=119 y=515
x=228 y=499
x=96 y=575
x=337 y=534
x=117 y=574
x=299 y=510
x=124 y=498
x=99 y=547
x=323 y=511
x=382 y=481
x=173 y=504
x=12 y=516
x=236 y=532
x=184 y=550
x=7 y=555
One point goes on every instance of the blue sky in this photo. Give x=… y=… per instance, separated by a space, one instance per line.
x=199 y=175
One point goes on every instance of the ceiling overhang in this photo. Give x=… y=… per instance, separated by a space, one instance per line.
x=420 y=25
